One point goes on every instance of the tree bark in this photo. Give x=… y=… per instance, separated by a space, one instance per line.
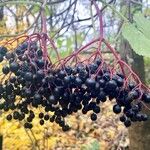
x=139 y=133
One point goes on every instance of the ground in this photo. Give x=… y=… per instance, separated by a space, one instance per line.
x=107 y=133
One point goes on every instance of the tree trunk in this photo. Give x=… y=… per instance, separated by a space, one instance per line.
x=139 y=133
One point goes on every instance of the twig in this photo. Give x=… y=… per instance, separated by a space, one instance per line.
x=29 y=136
x=71 y=22
x=3 y=3
x=70 y=5
x=36 y=141
x=56 y=2
x=119 y=14
x=111 y=1
x=14 y=35
x=99 y=13
x=136 y=2
x=92 y=19
x=43 y=17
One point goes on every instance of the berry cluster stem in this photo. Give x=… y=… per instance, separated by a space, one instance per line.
x=99 y=13
x=44 y=30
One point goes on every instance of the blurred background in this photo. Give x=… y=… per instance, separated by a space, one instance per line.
x=72 y=24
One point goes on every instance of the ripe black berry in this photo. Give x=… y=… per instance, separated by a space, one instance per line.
x=111 y=85
x=90 y=83
x=144 y=117
x=1 y=58
x=127 y=123
x=41 y=122
x=78 y=81
x=61 y=74
x=116 y=109
x=9 y=117
x=65 y=128
x=52 y=119
x=29 y=119
x=40 y=63
x=102 y=83
x=46 y=117
x=52 y=100
x=16 y=115
x=123 y=118
x=146 y=98
x=5 y=69
x=41 y=115
x=3 y=50
x=12 y=79
x=40 y=74
x=101 y=96
x=96 y=109
x=39 y=53
x=28 y=125
x=14 y=67
x=93 y=117
x=28 y=76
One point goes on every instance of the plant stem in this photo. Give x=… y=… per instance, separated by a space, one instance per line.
x=44 y=30
x=99 y=13
x=43 y=17
x=92 y=19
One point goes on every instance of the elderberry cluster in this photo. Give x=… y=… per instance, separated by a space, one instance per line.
x=29 y=81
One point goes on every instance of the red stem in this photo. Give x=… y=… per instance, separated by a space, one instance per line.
x=43 y=18
x=99 y=13
x=44 y=32
x=114 y=53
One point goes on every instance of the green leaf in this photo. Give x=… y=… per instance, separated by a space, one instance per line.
x=92 y=146
x=64 y=53
x=146 y=11
x=137 y=39
x=35 y=9
x=143 y=24
x=95 y=145
x=69 y=43
x=48 y=12
x=80 y=38
x=59 y=43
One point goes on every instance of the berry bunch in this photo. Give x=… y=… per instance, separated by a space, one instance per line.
x=31 y=80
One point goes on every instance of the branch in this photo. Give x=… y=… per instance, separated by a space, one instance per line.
x=111 y=1
x=117 y=12
x=92 y=19
x=136 y=2
x=14 y=35
x=3 y=3
x=67 y=25
x=71 y=22
x=70 y=5
x=56 y=2
x=64 y=19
